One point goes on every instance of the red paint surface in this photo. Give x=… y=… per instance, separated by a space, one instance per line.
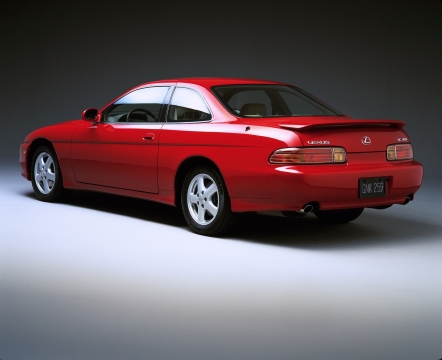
x=142 y=160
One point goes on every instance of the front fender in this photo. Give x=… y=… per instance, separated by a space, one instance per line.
x=59 y=136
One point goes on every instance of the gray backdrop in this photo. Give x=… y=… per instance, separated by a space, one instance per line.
x=374 y=59
x=107 y=277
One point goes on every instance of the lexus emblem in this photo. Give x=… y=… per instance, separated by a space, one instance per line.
x=366 y=140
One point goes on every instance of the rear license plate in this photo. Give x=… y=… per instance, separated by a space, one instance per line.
x=373 y=187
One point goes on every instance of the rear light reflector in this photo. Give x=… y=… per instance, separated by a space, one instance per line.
x=399 y=152
x=323 y=155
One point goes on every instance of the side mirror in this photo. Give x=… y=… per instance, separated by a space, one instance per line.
x=89 y=114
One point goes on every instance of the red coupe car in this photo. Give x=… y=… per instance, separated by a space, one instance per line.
x=218 y=147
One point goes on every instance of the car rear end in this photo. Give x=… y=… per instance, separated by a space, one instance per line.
x=344 y=164
x=329 y=161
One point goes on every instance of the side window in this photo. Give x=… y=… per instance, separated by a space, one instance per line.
x=187 y=106
x=143 y=105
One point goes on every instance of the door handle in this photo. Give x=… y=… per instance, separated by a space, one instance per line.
x=149 y=136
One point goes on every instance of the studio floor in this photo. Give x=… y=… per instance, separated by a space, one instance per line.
x=107 y=277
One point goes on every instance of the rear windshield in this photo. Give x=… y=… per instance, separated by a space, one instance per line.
x=271 y=101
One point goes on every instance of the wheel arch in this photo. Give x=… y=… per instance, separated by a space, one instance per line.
x=33 y=147
x=185 y=167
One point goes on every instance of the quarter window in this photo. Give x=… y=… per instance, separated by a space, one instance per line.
x=187 y=106
x=143 y=105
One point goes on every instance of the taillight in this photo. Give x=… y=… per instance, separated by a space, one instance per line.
x=322 y=155
x=399 y=152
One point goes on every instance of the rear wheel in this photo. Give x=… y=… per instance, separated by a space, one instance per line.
x=338 y=216
x=46 y=176
x=205 y=202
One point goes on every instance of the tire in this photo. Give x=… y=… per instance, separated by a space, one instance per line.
x=338 y=216
x=46 y=178
x=205 y=202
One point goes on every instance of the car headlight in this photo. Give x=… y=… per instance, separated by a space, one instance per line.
x=321 y=155
x=399 y=152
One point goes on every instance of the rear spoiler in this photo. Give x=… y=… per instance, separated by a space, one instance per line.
x=344 y=124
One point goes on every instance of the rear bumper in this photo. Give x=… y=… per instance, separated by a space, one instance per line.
x=336 y=186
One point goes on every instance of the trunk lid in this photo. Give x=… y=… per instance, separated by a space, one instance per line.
x=365 y=135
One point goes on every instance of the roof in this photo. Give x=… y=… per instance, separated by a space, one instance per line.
x=208 y=82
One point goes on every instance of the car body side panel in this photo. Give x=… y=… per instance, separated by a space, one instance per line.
x=117 y=155
x=241 y=155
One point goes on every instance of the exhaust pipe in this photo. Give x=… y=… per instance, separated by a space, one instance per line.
x=307 y=209
x=407 y=200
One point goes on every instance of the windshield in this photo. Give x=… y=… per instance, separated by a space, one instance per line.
x=270 y=101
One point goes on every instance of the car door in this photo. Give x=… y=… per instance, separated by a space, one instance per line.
x=121 y=150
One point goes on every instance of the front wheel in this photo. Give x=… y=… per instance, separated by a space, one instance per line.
x=205 y=202
x=46 y=176
x=338 y=216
